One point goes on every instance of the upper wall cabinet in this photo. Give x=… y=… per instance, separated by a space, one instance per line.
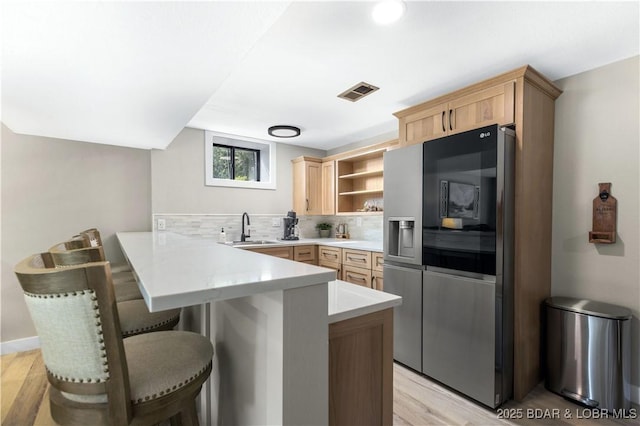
x=328 y=187
x=307 y=185
x=360 y=182
x=345 y=183
x=442 y=117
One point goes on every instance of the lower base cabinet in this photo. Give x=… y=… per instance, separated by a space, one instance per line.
x=355 y=275
x=355 y=266
x=377 y=280
x=283 y=252
x=361 y=370
x=306 y=254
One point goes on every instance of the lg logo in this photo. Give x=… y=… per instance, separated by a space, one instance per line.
x=485 y=135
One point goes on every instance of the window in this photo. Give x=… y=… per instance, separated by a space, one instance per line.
x=230 y=162
x=240 y=163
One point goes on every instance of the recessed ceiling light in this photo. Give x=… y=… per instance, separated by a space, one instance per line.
x=284 y=131
x=386 y=12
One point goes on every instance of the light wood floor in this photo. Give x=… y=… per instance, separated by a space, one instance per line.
x=416 y=400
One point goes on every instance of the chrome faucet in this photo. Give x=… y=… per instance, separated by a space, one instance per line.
x=243 y=236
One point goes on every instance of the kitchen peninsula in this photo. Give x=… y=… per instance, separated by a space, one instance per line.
x=267 y=317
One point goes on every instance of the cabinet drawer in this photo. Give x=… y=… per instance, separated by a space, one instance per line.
x=358 y=258
x=377 y=261
x=304 y=253
x=356 y=275
x=283 y=252
x=377 y=280
x=333 y=265
x=330 y=254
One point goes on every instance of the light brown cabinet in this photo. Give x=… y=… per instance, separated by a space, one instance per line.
x=525 y=98
x=357 y=258
x=331 y=257
x=330 y=254
x=359 y=267
x=437 y=119
x=363 y=268
x=306 y=254
x=328 y=188
x=377 y=267
x=361 y=370
x=355 y=275
x=283 y=252
x=359 y=178
x=341 y=183
x=307 y=185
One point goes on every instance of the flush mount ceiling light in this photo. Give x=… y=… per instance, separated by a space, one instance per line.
x=388 y=11
x=284 y=131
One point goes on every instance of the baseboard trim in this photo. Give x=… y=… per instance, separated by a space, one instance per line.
x=19 y=345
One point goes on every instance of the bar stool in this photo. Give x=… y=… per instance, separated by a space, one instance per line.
x=124 y=282
x=93 y=238
x=134 y=316
x=96 y=376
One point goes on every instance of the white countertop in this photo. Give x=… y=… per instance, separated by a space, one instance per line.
x=176 y=271
x=348 y=300
x=333 y=242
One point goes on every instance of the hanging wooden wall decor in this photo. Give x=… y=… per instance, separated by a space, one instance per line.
x=604 y=216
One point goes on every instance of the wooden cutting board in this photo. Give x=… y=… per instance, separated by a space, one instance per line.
x=604 y=216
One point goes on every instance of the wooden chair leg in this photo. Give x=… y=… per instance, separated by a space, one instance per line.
x=190 y=414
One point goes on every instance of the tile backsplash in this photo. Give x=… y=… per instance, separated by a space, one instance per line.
x=365 y=227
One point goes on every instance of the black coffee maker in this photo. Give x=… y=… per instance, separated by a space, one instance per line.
x=290 y=223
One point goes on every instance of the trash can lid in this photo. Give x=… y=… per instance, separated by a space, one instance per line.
x=589 y=307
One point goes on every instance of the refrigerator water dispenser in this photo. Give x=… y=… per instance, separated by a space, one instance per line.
x=401 y=237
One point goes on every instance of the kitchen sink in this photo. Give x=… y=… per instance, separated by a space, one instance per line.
x=253 y=242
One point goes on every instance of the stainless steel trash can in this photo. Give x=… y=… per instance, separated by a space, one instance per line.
x=588 y=352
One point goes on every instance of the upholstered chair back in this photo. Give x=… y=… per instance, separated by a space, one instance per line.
x=74 y=311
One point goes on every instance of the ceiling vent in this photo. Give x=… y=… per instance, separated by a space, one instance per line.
x=358 y=91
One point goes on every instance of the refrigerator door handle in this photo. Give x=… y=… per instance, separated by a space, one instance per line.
x=464 y=274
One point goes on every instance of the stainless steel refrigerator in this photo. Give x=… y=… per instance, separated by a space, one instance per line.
x=448 y=227
x=403 y=249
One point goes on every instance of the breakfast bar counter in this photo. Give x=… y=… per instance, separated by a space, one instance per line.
x=174 y=270
x=267 y=317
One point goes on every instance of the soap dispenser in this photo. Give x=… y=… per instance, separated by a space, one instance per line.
x=222 y=238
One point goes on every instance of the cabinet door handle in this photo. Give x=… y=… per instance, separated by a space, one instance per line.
x=332 y=255
x=304 y=252
x=450 y=119
x=307 y=204
x=444 y=129
x=356 y=278
x=359 y=259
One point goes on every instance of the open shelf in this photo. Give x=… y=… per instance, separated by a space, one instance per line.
x=362 y=174
x=362 y=192
x=360 y=180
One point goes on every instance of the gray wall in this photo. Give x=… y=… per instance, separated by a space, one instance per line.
x=597 y=140
x=51 y=190
x=177 y=178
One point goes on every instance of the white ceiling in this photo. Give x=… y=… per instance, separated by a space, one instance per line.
x=135 y=73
